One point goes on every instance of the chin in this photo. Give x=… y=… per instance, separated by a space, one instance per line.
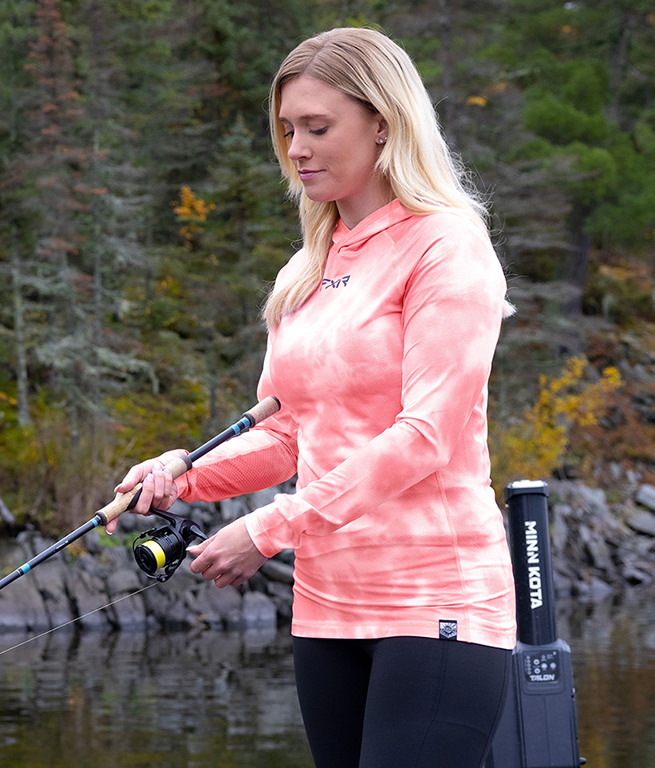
x=317 y=197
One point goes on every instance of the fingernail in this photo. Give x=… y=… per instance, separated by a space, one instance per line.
x=149 y=479
x=117 y=487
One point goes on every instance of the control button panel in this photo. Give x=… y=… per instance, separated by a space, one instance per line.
x=542 y=666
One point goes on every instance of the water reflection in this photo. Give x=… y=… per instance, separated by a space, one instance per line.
x=227 y=700
x=220 y=700
x=613 y=652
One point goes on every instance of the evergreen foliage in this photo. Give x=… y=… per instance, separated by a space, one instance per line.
x=142 y=219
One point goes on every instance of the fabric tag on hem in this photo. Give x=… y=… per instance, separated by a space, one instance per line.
x=447 y=630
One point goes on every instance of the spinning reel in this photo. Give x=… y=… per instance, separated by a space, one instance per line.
x=163 y=549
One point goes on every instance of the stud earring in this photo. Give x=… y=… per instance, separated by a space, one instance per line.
x=383 y=140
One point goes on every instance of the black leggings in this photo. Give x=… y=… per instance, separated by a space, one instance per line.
x=400 y=702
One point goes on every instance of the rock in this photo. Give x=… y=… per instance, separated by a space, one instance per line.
x=562 y=584
x=21 y=607
x=632 y=476
x=646 y=496
x=593 y=500
x=231 y=509
x=275 y=570
x=635 y=576
x=599 y=552
x=218 y=607
x=616 y=470
x=560 y=528
x=282 y=597
x=88 y=596
x=50 y=580
x=642 y=522
x=598 y=589
x=258 y=611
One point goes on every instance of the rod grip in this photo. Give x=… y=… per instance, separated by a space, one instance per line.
x=177 y=466
x=265 y=408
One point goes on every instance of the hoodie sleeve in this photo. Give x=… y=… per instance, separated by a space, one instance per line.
x=452 y=310
x=265 y=456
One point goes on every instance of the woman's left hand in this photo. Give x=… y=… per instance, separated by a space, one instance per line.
x=227 y=557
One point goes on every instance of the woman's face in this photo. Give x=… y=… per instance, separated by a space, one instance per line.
x=334 y=143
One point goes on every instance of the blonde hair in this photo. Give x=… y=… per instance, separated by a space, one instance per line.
x=416 y=161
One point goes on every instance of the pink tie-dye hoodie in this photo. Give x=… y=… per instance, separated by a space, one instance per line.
x=382 y=375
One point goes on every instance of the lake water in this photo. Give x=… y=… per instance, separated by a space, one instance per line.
x=227 y=700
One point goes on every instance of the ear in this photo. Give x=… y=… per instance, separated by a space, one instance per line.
x=381 y=129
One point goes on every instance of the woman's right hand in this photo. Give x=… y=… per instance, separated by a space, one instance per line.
x=158 y=489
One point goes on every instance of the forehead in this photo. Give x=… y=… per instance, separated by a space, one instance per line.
x=304 y=98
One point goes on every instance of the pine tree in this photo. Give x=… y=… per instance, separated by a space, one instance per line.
x=587 y=84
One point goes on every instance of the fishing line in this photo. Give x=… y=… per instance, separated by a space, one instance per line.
x=79 y=618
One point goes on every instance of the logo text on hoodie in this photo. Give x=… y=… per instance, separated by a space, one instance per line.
x=340 y=281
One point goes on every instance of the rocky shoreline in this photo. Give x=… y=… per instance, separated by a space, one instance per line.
x=598 y=549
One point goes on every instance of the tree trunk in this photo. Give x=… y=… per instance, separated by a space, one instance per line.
x=618 y=65
x=22 y=380
x=576 y=270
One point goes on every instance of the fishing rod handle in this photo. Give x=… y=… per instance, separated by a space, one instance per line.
x=264 y=408
x=177 y=466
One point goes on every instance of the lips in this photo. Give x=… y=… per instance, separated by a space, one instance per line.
x=306 y=175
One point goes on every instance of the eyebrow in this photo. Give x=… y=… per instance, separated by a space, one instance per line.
x=304 y=118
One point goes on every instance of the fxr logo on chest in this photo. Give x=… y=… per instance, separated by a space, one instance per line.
x=339 y=282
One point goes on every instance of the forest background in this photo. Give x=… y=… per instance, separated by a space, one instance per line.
x=142 y=220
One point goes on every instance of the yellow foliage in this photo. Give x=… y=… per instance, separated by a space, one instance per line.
x=7 y=398
x=478 y=101
x=192 y=210
x=537 y=444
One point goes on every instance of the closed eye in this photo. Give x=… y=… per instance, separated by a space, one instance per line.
x=315 y=131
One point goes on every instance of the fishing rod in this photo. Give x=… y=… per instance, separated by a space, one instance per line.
x=164 y=548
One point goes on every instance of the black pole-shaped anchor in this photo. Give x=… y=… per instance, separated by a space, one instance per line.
x=539 y=726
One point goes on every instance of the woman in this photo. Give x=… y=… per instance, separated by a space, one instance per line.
x=382 y=331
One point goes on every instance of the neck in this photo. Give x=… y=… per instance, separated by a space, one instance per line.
x=354 y=211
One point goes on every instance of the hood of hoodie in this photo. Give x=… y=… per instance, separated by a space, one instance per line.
x=345 y=239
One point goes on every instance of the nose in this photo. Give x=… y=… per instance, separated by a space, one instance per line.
x=298 y=148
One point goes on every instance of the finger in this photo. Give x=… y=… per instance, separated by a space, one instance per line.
x=228 y=577
x=144 y=501
x=198 y=549
x=203 y=561
x=170 y=489
x=159 y=489
x=212 y=572
x=136 y=475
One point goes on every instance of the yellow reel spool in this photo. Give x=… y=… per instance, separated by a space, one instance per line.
x=157 y=551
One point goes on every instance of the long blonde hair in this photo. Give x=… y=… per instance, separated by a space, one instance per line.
x=416 y=161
